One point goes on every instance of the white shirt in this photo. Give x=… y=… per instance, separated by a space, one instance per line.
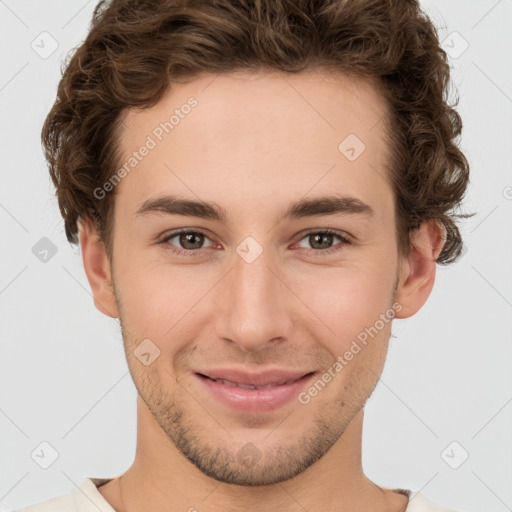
x=87 y=498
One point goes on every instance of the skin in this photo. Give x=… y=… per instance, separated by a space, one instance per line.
x=255 y=143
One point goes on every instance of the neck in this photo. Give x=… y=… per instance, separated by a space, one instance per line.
x=162 y=479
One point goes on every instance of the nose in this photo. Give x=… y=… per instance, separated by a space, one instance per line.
x=255 y=305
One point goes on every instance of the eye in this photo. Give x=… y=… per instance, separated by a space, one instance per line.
x=187 y=242
x=321 y=240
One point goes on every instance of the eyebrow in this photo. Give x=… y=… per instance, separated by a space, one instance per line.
x=327 y=205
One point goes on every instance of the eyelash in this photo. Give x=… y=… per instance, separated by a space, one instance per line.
x=193 y=252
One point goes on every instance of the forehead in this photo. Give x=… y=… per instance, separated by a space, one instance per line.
x=257 y=135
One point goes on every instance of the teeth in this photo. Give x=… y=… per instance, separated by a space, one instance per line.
x=246 y=386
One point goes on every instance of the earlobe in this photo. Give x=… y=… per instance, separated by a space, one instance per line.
x=417 y=272
x=97 y=269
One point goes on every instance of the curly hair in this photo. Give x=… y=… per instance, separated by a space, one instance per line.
x=136 y=48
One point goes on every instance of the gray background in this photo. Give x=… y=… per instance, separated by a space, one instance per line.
x=64 y=379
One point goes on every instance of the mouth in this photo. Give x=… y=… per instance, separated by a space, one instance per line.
x=243 y=393
x=250 y=386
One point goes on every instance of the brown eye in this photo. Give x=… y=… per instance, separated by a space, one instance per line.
x=185 y=242
x=321 y=240
x=191 y=240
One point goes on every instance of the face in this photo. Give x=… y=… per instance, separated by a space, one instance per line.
x=265 y=279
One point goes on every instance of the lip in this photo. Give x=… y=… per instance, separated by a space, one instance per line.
x=270 y=376
x=284 y=387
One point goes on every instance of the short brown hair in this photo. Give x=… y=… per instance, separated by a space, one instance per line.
x=135 y=49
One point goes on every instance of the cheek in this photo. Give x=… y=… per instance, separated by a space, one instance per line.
x=160 y=299
x=157 y=298
x=347 y=300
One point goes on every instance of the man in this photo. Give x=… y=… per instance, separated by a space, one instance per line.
x=258 y=188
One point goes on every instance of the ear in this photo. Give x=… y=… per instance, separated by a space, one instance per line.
x=418 y=270
x=97 y=269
